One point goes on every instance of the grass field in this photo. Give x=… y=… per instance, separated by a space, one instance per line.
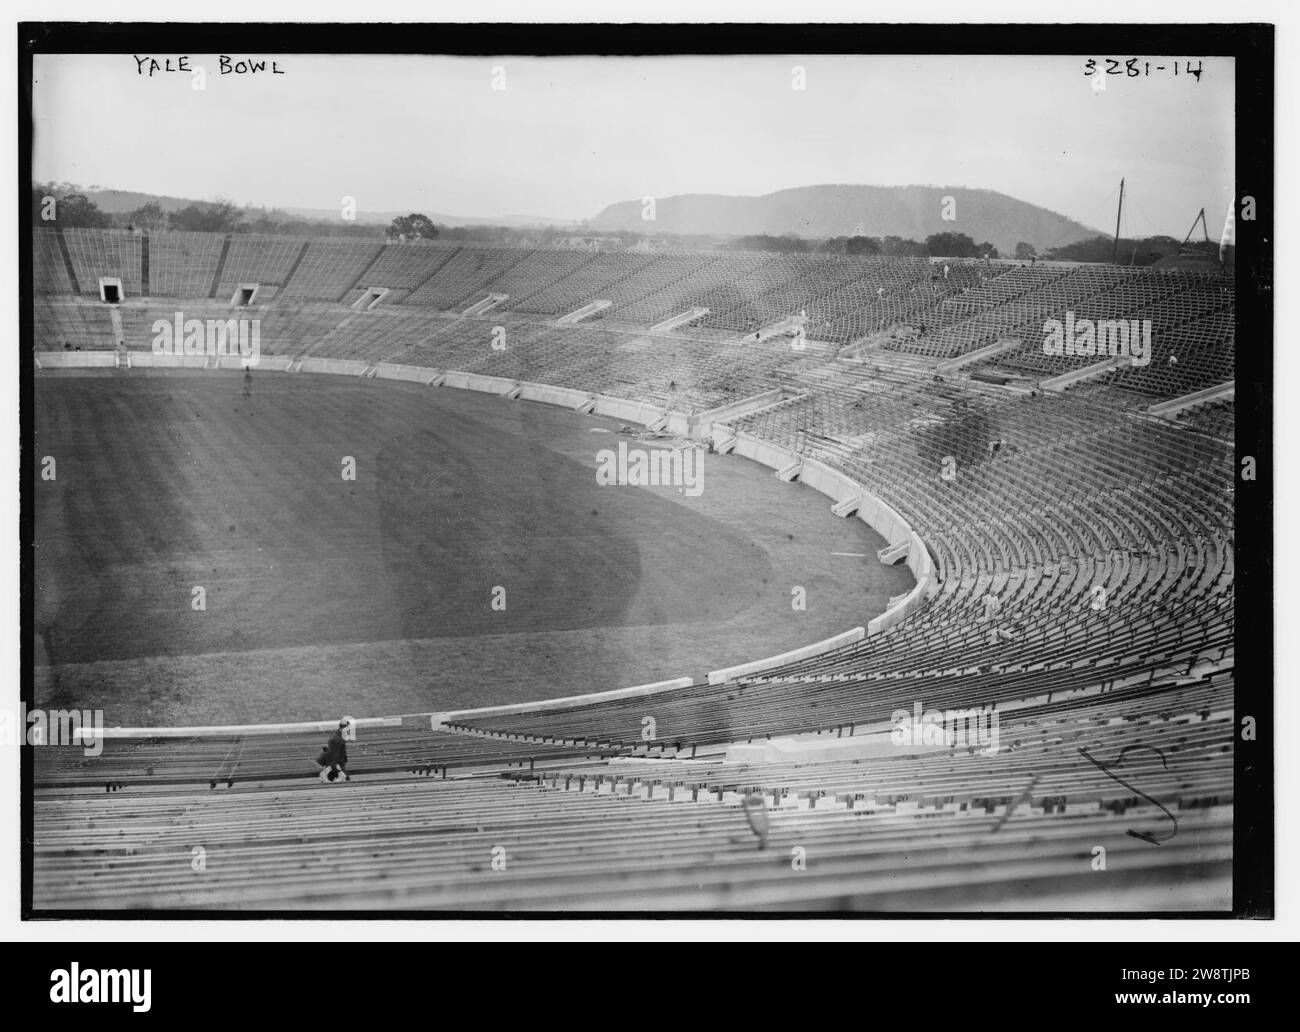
x=374 y=596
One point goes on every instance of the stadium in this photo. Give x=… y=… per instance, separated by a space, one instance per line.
x=905 y=612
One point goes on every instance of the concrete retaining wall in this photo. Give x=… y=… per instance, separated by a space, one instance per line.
x=406 y=373
x=701 y=426
x=477 y=382
x=803 y=652
x=762 y=451
x=76 y=359
x=880 y=517
x=562 y=396
x=334 y=366
x=325 y=726
x=571 y=700
x=627 y=411
x=265 y=363
x=148 y=360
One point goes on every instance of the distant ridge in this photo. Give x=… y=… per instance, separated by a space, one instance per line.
x=440 y=218
x=119 y=202
x=910 y=212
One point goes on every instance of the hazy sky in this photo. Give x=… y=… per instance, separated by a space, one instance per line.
x=569 y=135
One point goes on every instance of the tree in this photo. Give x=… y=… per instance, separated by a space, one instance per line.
x=862 y=245
x=216 y=217
x=1025 y=251
x=987 y=250
x=1102 y=249
x=263 y=222
x=149 y=217
x=951 y=245
x=74 y=210
x=766 y=242
x=897 y=247
x=412 y=227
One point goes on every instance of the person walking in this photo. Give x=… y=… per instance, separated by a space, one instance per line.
x=333 y=759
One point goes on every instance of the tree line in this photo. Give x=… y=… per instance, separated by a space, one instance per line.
x=73 y=208
x=937 y=245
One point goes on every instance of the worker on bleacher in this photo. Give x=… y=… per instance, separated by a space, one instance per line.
x=333 y=759
x=755 y=810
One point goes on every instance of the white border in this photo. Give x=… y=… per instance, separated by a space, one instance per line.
x=1282 y=13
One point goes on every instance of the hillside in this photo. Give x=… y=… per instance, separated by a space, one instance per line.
x=117 y=202
x=911 y=212
x=440 y=218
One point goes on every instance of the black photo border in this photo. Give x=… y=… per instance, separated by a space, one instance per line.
x=1252 y=46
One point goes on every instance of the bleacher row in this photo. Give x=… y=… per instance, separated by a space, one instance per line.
x=224 y=760
x=688 y=372
x=935 y=309
x=917 y=830
x=1084 y=557
x=1105 y=541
